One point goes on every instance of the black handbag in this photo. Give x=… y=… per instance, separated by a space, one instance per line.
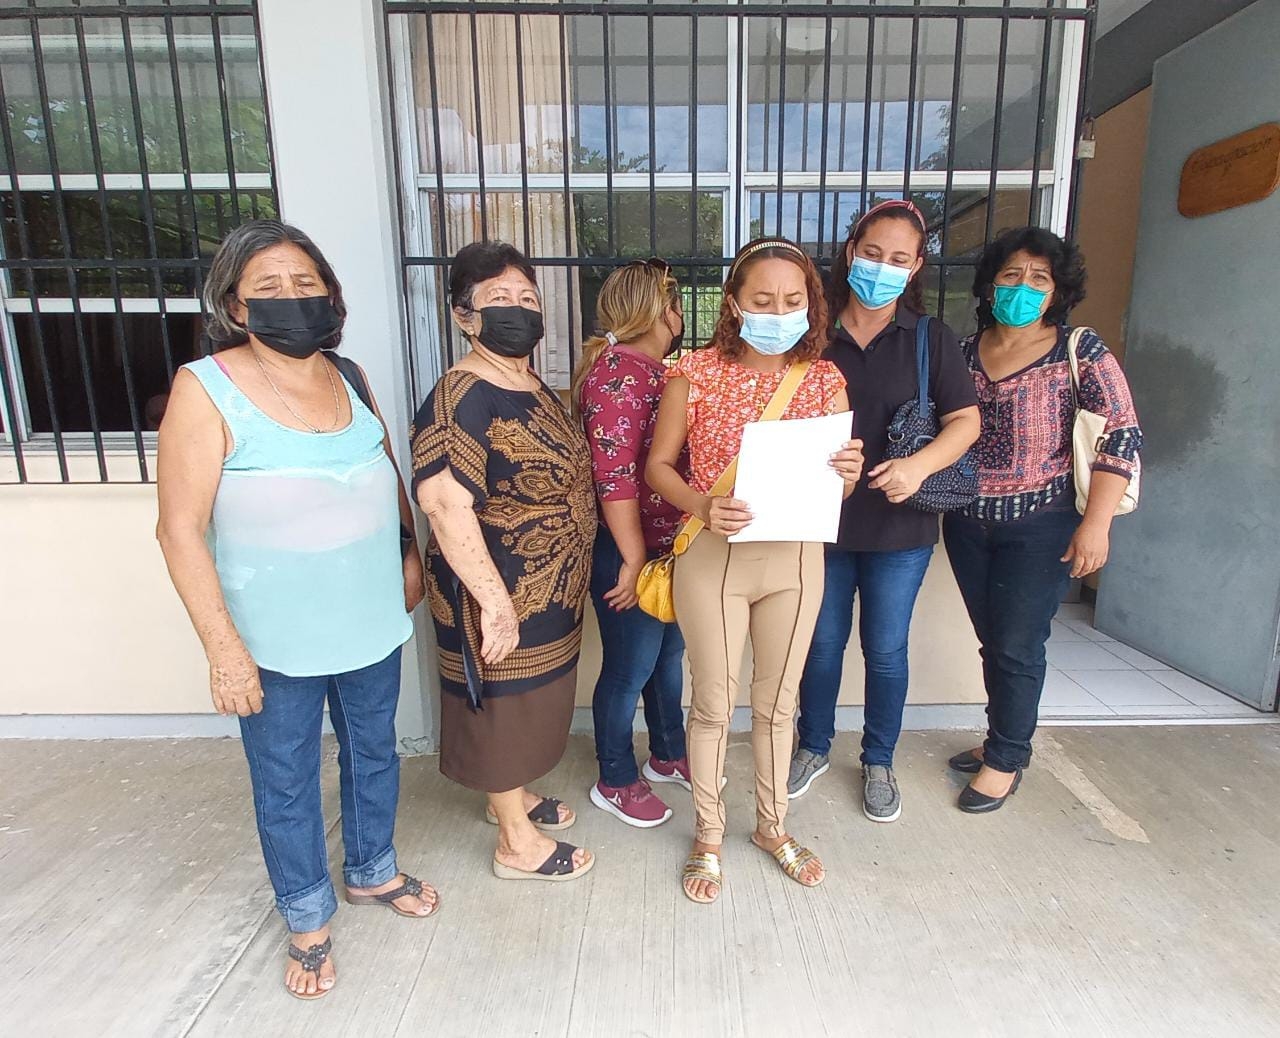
x=914 y=425
x=350 y=370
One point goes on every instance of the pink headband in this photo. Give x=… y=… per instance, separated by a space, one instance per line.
x=893 y=203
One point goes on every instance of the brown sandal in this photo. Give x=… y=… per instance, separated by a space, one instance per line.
x=312 y=959
x=409 y=886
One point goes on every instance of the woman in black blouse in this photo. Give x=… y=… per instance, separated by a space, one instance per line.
x=504 y=475
x=884 y=545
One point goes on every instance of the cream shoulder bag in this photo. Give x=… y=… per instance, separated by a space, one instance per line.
x=1087 y=436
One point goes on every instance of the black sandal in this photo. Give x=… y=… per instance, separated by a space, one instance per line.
x=409 y=886
x=558 y=868
x=312 y=959
x=545 y=816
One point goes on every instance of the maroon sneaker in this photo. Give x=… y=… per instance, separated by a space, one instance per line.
x=635 y=804
x=673 y=771
x=668 y=771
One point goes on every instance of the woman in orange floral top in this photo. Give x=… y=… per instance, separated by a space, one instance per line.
x=773 y=316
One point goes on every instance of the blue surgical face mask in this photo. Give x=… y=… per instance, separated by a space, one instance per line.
x=773 y=334
x=877 y=284
x=1017 y=305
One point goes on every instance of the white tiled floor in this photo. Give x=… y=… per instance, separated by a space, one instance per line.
x=1092 y=675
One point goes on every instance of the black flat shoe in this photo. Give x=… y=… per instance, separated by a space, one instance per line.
x=975 y=803
x=965 y=762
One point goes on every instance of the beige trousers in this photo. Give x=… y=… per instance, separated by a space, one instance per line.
x=723 y=592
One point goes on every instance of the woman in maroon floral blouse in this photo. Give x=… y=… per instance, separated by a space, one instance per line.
x=616 y=390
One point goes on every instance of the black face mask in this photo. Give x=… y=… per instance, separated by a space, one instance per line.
x=677 y=340
x=510 y=331
x=294 y=327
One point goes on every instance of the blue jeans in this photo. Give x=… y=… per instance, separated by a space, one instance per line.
x=643 y=657
x=282 y=744
x=888 y=582
x=1012 y=583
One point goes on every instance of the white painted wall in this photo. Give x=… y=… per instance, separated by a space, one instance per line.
x=90 y=625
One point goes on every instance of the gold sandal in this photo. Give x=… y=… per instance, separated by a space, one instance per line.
x=793 y=858
x=704 y=865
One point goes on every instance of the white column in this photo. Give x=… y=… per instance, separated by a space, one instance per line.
x=327 y=91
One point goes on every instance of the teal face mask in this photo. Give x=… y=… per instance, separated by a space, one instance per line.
x=1017 y=305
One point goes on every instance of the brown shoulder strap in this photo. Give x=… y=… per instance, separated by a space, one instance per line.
x=773 y=410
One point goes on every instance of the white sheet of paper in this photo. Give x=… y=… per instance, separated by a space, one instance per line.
x=785 y=477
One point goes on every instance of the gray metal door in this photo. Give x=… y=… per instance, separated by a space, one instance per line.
x=1195 y=577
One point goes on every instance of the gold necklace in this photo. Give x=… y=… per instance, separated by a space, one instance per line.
x=337 y=407
x=505 y=373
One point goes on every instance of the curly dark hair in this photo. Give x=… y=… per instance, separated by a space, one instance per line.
x=838 y=281
x=726 y=336
x=1066 y=262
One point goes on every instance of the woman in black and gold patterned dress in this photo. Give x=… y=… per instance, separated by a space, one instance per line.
x=504 y=475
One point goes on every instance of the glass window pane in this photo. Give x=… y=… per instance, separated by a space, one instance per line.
x=68 y=122
x=880 y=117
x=201 y=104
x=849 y=119
x=583 y=93
x=500 y=105
x=948 y=293
x=677 y=231
x=841 y=209
x=113 y=98
x=246 y=107
x=106 y=376
x=130 y=236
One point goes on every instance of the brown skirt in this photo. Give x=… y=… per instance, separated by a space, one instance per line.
x=512 y=741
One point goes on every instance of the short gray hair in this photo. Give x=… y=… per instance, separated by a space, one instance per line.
x=233 y=255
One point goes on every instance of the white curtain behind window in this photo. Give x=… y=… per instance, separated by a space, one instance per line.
x=550 y=216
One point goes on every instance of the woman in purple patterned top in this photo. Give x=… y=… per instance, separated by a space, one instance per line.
x=616 y=390
x=1015 y=550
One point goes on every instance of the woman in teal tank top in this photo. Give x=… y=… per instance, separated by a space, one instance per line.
x=281 y=519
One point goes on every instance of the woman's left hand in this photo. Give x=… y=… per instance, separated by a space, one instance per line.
x=1089 y=548
x=415 y=587
x=899 y=478
x=623 y=595
x=847 y=461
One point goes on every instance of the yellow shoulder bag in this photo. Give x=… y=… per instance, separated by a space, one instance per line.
x=656 y=584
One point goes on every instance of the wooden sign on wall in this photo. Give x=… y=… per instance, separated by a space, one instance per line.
x=1241 y=169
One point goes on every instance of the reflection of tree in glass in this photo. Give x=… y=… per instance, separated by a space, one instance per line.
x=177 y=236
x=118 y=140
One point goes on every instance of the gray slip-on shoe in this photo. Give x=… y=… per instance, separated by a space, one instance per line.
x=805 y=767
x=881 y=801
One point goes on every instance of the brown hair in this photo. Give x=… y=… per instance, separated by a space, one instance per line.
x=631 y=301
x=838 y=287
x=726 y=336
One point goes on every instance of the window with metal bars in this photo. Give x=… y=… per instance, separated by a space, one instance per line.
x=590 y=134
x=134 y=137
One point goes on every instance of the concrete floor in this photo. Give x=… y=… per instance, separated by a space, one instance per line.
x=1128 y=889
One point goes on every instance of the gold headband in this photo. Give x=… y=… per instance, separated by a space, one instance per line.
x=777 y=243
